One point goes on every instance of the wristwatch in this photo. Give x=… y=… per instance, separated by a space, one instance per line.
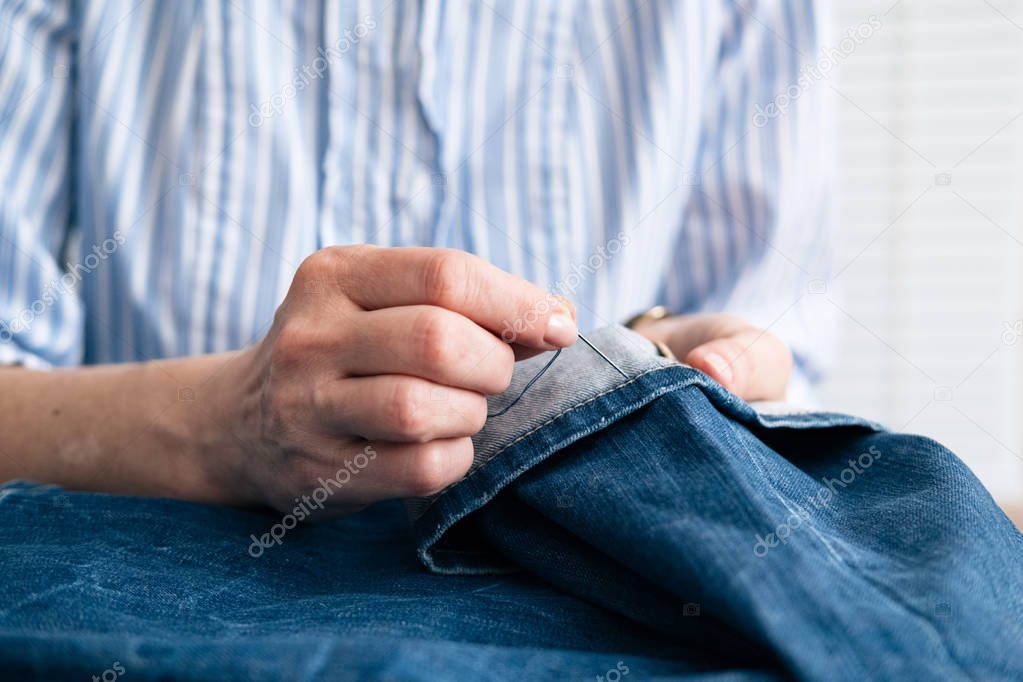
x=658 y=312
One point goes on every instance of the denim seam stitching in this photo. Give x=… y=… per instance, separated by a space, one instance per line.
x=576 y=407
x=529 y=433
x=444 y=526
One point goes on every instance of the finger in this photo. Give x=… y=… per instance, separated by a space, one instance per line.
x=505 y=305
x=525 y=352
x=753 y=364
x=432 y=343
x=399 y=408
x=383 y=471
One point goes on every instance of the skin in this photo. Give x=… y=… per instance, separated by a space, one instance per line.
x=400 y=364
x=748 y=361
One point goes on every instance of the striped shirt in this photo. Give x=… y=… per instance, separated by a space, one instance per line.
x=165 y=166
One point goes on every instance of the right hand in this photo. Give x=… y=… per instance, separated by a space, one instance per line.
x=383 y=352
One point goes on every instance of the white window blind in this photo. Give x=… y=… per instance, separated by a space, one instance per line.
x=930 y=117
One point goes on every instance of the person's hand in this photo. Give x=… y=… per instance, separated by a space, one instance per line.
x=374 y=374
x=748 y=361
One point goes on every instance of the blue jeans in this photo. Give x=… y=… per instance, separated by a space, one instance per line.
x=611 y=528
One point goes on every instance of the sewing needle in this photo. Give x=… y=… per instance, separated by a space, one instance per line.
x=597 y=351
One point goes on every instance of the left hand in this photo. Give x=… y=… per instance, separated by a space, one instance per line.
x=748 y=361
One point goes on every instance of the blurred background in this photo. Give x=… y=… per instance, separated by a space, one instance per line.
x=930 y=118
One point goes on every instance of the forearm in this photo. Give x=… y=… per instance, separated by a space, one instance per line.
x=140 y=428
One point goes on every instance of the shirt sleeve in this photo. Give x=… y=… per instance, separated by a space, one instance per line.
x=41 y=313
x=762 y=197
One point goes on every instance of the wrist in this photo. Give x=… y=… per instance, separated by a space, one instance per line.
x=217 y=418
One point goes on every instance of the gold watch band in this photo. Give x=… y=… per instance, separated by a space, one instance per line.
x=658 y=312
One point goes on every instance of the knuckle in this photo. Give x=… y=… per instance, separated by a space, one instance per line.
x=408 y=417
x=445 y=274
x=428 y=469
x=294 y=341
x=503 y=368
x=733 y=352
x=432 y=333
x=327 y=265
x=478 y=414
x=307 y=267
x=342 y=260
x=314 y=266
x=322 y=400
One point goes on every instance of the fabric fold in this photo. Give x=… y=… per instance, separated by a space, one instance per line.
x=815 y=545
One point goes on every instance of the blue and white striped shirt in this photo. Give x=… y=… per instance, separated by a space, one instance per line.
x=165 y=166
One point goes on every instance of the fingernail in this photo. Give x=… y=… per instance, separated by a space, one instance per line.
x=561 y=330
x=720 y=365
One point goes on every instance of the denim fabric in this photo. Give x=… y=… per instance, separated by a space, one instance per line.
x=168 y=590
x=653 y=524
x=578 y=376
x=814 y=545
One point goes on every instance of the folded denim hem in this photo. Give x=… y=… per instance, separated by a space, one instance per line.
x=575 y=422
x=578 y=374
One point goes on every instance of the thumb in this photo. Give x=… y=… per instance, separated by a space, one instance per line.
x=753 y=364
